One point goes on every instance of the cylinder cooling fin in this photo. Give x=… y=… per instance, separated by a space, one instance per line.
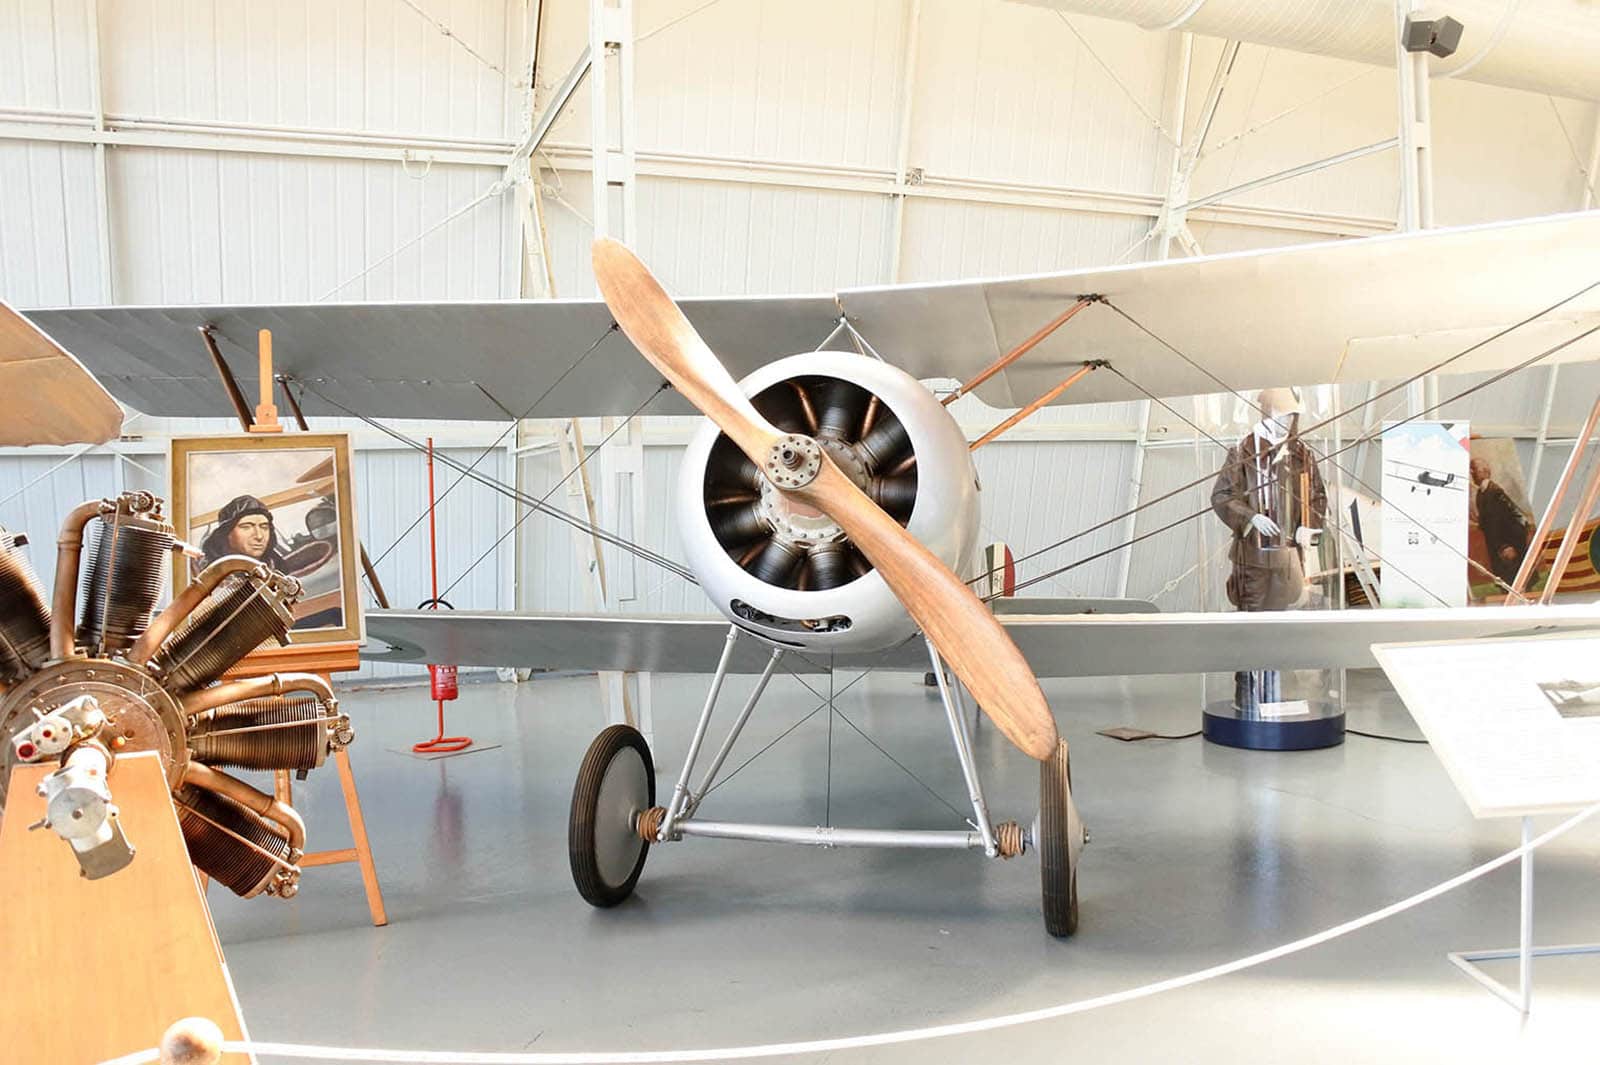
x=292 y=731
x=130 y=553
x=785 y=543
x=785 y=571
x=24 y=615
x=239 y=615
x=226 y=841
x=154 y=680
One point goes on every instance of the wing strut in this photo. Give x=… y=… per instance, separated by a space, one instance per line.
x=1021 y=349
x=1073 y=378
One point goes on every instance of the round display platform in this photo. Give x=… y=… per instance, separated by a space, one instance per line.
x=1323 y=728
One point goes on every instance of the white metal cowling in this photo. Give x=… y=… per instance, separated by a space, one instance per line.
x=787 y=573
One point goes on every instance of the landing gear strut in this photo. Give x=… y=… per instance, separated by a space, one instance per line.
x=615 y=817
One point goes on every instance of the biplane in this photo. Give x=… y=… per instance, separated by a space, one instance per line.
x=1426 y=477
x=829 y=501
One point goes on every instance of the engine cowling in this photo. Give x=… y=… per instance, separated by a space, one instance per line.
x=787 y=572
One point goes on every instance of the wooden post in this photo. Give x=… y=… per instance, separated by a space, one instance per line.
x=99 y=968
x=266 y=420
x=1072 y=379
x=1569 y=539
x=324 y=660
x=1530 y=560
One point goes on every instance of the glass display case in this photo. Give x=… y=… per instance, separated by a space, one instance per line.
x=1275 y=504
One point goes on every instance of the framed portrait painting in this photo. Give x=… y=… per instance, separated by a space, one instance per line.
x=284 y=499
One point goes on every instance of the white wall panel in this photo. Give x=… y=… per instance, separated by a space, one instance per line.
x=719 y=238
x=194 y=227
x=1006 y=91
x=767 y=79
x=949 y=239
x=1035 y=494
x=1497 y=153
x=49 y=227
x=1501 y=153
x=1161 y=565
x=376 y=65
x=712 y=237
x=1337 y=106
x=44 y=55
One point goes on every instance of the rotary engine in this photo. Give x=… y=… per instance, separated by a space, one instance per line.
x=127 y=679
x=787 y=572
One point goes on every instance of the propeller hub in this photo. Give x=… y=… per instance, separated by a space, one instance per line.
x=793 y=461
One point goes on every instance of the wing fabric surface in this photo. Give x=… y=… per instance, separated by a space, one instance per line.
x=1354 y=310
x=1054 y=645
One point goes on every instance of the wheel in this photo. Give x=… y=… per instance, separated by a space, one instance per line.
x=616 y=783
x=1060 y=841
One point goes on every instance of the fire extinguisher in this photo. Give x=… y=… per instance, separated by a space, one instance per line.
x=442 y=686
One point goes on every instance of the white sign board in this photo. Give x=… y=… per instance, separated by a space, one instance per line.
x=1516 y=721
x=1425 y=490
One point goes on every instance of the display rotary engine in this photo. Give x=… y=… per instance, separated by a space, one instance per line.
x=100 y=674
x=787 y=571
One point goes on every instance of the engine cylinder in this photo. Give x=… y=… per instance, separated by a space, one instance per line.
x=207 y=819
x=128 y=568
x=239 y=615
x=292 y=731
x=777 y=566
x=24 y=617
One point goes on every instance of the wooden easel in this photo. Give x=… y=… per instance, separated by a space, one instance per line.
x=324 y=660
x=135 y=951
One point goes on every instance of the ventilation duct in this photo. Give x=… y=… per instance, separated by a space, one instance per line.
x=1545 y=46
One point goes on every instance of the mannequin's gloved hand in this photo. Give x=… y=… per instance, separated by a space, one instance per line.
x=1264 y=525
x=1307 y=537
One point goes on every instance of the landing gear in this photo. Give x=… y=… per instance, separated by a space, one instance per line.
x=616 y=786
x=615 y=818
x=1060 y=838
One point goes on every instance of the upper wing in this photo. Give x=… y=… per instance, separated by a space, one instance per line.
x=1351 y=310
x=1380 y=307
x=49 y=398
x=1054 y=645
x=485 y=361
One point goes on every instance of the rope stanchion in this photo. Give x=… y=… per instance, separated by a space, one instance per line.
x=442 y=679
x=908 y=1035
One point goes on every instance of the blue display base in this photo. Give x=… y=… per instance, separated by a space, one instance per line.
x=1222 y=724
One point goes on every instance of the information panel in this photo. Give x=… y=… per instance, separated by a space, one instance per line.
x=1425 y=493
x=1515 y=721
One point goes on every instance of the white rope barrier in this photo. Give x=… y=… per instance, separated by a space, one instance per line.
x=907 y=1035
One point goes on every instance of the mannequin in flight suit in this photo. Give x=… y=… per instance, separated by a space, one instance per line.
x=1272 y=498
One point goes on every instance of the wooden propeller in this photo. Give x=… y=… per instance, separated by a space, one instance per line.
x=963 y=630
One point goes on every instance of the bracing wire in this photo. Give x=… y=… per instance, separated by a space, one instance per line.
x=1201 y=480
x=511 y=492
x=495 y=444
x=582 y=461
x=1357 y=478
x=1376 y=397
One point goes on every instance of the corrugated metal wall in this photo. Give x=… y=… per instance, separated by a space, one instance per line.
x=302 y=151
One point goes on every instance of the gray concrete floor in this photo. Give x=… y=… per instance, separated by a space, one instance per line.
x=1201 y=854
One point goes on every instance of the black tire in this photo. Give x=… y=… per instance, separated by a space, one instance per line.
x=1058 y=849
x=616 y=783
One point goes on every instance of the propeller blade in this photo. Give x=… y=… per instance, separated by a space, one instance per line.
x=49 y=397
x=663 y=335
x=963 y=630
